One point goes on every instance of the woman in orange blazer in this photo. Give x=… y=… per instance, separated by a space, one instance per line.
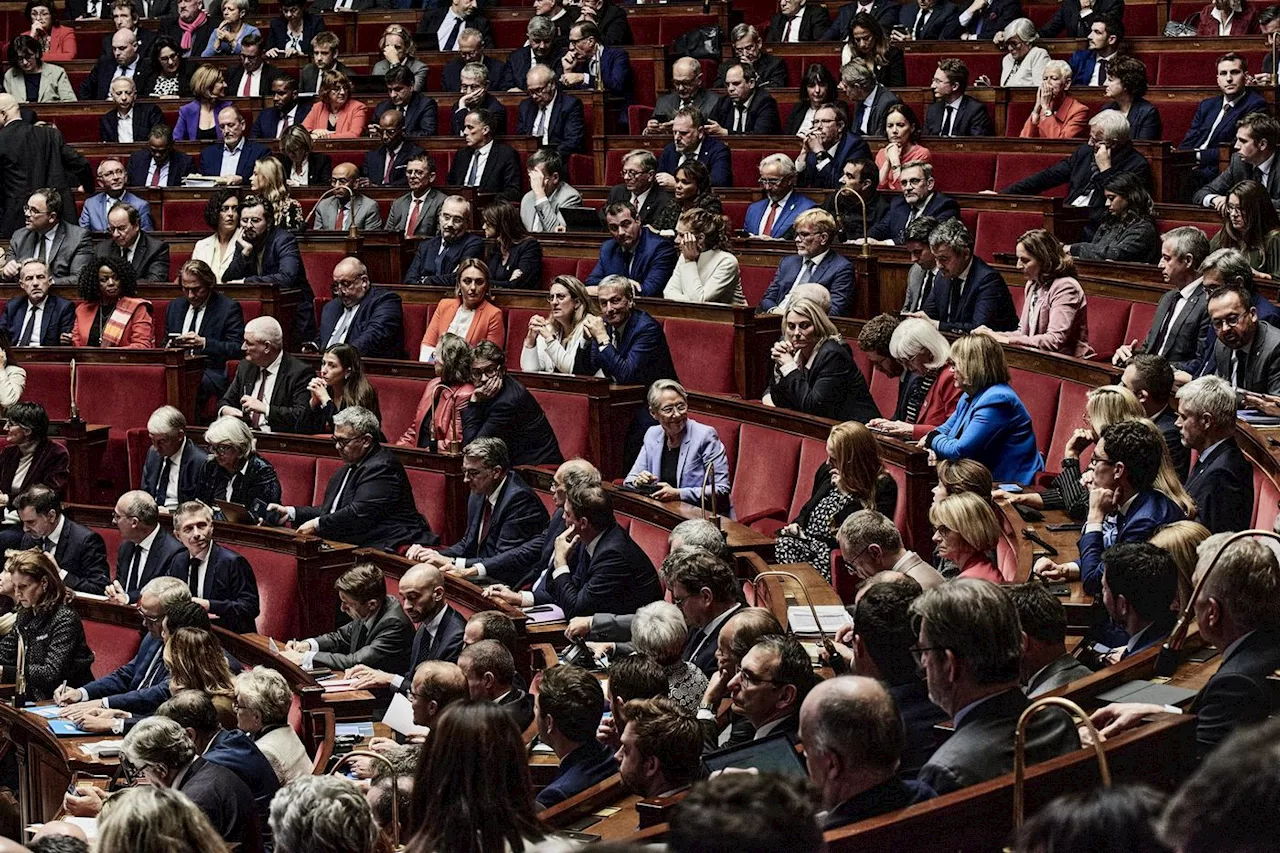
x=470 y=316
x=1056 y=115
x=109 y=313
x=336 y=114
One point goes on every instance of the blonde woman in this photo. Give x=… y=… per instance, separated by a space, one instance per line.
x=551 y=343
x=198 y=118
x=705 y=271
x=307 y=168
x=1181 y=539
x=1055 y=313
x=966 y=531
x=268 y=179
x=921 y=349
x=152 y=819
x=813 y=369
x=852 y=479
x=196 y=661
x=396 y=47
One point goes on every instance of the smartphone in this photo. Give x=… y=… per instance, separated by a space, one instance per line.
x=1011 y=488
x=1029 y=513
x=1062 y=590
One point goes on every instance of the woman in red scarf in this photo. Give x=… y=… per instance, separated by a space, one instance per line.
x=109 y=313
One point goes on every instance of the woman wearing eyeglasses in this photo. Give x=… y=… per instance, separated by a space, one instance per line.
x=552 y=342
x=673 y=461
x=337 y=115
x=1251 y=225
x=234 y=471
x=966 y=532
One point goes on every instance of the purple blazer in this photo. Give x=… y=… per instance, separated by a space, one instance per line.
x=188 y=124
x=700 y=445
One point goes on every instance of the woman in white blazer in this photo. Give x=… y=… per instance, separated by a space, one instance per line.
x=551 y=343
x=1023 y=63
x=705 y=272
x=222 y=214
x=25 y=61
x=262 y=712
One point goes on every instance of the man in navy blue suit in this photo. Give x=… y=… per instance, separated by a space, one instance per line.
x=1221 y=481
x=929 y=20
x=918 y=199
x=692 y=143
x=369 y=318
x=589 y=64
x=969 y=293
x=815 y=262
x=146 y=550
x=230 y=748
x=80 y=552
x=471 y=49
x=160 y=164
x=624 y=342
x=421 y=114
x=502 y=408
x=953 y=113
x=1139 y=586
x=286 y=109
x=37 y=318
x=141 y=684
x=207 y=323
x=774 y=216
x=221 y=581
x=437 y=259
x=1215 y=120
x=439 y=635
x=568 y=708
x=635 y=252
x=884 y=11
x=1089 y=67
x=172 y=468
x=544 y=48
x=747 y=109
x=269 y=255
x=503 y=514
x=553 y=116
x=231 y=160
x=827 y=147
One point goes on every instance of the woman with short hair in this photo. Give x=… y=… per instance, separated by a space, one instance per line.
x=110 y=313
x=470 y=315
x=922 y=350
x=57 y=42
x=262 y=701
x=198 y=119
x=397 y=48
x=853 y=478
x=170 y=73
x=990 y=424
x=551 y=342
x=341 y=383
x=336 y=114
x=32 y=80
x=437 y=423
x=1056 y=115
x=1023 y=63
x=1128 y=229
x=813 y=369
x=222 y=214
x=966 y=530
x=1126 y=85
x=47 y=632
x=307 y=168
x=673 y=461
x=705 y=271
x=1055 y=312
x=234 y=472
x=29 y=458
x=227 y=38
x=659 y=631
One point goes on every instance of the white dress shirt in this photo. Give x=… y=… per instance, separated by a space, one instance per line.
x=124 y=127
x=231 y=159
x=267 y=391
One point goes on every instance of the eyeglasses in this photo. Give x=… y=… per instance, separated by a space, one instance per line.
x=770 y=182
x=917 y=652
x=1230 y=321
x=343 y=442
x=557 y=297
x=848 y=564
x=1099 y=459
x=674 y=410
x=749 y=677
x=222 y=449
x=634 y=173
x=479 y=375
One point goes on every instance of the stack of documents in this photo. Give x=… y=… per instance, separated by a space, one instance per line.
x=833 y=616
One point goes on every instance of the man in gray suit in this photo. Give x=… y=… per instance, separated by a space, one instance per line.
x=870 y=544
x=346 y=207
x=970 y=646
x=1046 y=664
x=379 y=634
x=414 y=214
x=64 y=248
x=1181 y=321
x=540 y=207
x=686 y=91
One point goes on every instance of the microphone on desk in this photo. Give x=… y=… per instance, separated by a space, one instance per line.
x=837 y=662
x=708 y=474
x=315 y=207
x=1168 y=659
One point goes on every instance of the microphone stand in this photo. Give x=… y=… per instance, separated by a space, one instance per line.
x=861 y=201
x=708 y=473
x=827 y=645
x=1170 y=651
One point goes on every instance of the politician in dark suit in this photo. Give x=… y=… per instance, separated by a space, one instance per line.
x=67 y=249
x=499 y=78
x=57 y=317
x=376 y=326
x=502 y=408
x=144 y=117
x=499 y=169
x=969 y=117
x=368 y=501
x=1260 y=166
x=379 y=634
x=220 y=578
x=1067 y=21
x=271 y=257
x=626 y=344
x=798 y=21
x=213 y=328
x=967 y=293
x=1178 y=338
x=421 y=114
x=833 y=271
x=635 y=252
x=694 y=142
x=138 y=687
x=139 y=169
x=395 y=148
x=267 y=124
x=503 y=514
x=157 y=469
x=758 y=109
x=940 y=19
x=828 y=148
x=247 y=396
x=563 y=127
x=884 y=11
x=437 y=259
x=1221 y=481
x=654 y=200
x=251 y=153
x=893 y=226
x=80 y=552
x=278 y=34
x=1207 y=133
x=432 y=22
x=146 y=550
x=148 y=256
x=829 y=386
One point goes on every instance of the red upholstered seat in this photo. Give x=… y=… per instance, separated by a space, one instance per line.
x=428 y=495
x=1175 y=115
x=755 y=281
x=417 y=316
x=113 y=645
x=1015 y=116
x=813 y=454
x=651 y=539
x=1072 y=401
x=965 y=172
x=582 y=167
x=319 y=268
x=553 y=266
x=1141 y=19
x=1266 y=496
x=970 y=219
x=639 y=114
x=297 y=474
x=102 y=403
x=703 y=354
x=1012 y=167
x=185 y=214
x=517 y=328
x=1164 y=225
x=570 y=417
x=80 y=127
x=1019 y=295
x=899 y=476
x=999 y=230
x=1140 y=316
x=1108 y=322
x=737 y=210
x=279 y=598
x=325 y=466
x=728 y=431
x=584 y=268
x=137 y=442
x=398 y=398
x=765 y=477
x=1039 y=393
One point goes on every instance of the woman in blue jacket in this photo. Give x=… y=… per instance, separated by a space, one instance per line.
x=673 y=462
x=990 y=425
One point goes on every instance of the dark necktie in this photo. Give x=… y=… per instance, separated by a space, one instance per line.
x=162 y=482
x=195 y=320
x=946 y=123
x=46 y=544
x=28 y=330
x=926 y=287
x=953 y=306
x=1102 y=72
x=193 y=576
x=132 y=577
x=485 y=521
x=1163 y=332
x=453 y=35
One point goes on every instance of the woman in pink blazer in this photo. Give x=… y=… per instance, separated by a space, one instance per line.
x=336 y=114
x=470 y=316
x=1055 y=313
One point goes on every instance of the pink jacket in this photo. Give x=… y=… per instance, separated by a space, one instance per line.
x=1061 y=321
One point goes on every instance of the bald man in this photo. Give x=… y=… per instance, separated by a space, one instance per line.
x=686 y=91
x=853 y=738
x=439 y=636
x=123 y=60
x=231 y=160
x=385 y=165
x=347 y=206
x=371 y=319
x=31 y=158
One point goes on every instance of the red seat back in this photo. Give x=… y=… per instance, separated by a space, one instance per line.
x=297 y=474
x=755 y=281
x=113 y=645
x=1072 y=403
x=999 y=230
x=1012 y=167
x=1108 y=322
x=279 y=598
x=398 y=398
x=1039 y=393
x=703 y=354
x=517 y=327
x=728 y=431
x=429 y=489
x=765 y=480
x=417 y=316
x=651 y=539
x=137 y=442
x=570 y=419
x=1140 y=316
x=884 y=390
x=965 y=172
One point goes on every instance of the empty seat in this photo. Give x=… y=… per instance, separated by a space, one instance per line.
x=703 y=354
x=297 y=474
x=570 y=419
x=765 y=478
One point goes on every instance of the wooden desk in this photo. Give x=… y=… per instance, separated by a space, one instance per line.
x=85 y=443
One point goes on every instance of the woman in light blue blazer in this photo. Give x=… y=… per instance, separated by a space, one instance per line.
x=673 y=461
x=990 y=425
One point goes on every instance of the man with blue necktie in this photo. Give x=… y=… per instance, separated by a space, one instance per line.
x=635 y=252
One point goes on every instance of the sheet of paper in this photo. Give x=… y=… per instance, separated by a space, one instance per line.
x=100 y=748
x=800 y=618
x=353 y=730
x=399 y=717
x=46 y=711
x=337 y=685
x=88 y=824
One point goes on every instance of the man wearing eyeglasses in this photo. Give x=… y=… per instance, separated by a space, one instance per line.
x=549 y=114
x=771 y=684
x=813 y=263
x=471 y=49
x=476 y=96
x=639 y=187
x=347 y=207
x=774 y=216
x=503 y=408
x=919 y=199
x=686 y=91
x=385 y=165
x=368 y=501
x=1247 y=353
x=369 y=318
x=828 y=147
x=206 y=322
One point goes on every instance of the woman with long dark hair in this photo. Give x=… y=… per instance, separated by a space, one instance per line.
x=867 y=41
x=1128 y=228
x=1251 y=225
x=515 y=258
x=222 y=214
x=693 y=190
x=341 y=383
x=817 y=87
x=170 y=73
x=902 y=129
x=471 y=791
